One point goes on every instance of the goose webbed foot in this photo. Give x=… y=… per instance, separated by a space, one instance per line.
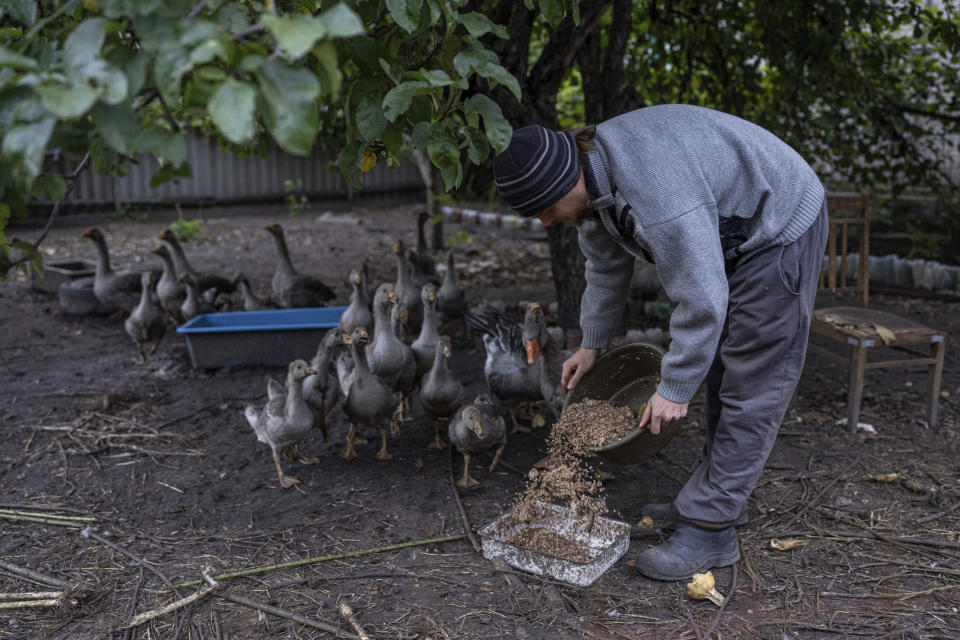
x=349 y=453
x=466 y=481
x=383 y=454
x=285 y=480
x=395 y=420
x=496 y=456
x=438 y=442
x=302 y=458
x=516 y=425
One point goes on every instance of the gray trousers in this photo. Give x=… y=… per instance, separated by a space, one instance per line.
x=754 y=373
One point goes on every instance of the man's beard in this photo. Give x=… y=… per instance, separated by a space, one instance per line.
x=583 y=212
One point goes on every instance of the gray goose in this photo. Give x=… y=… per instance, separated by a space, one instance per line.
x=425 y=346
x=322 y=389
x=285 y=420
x=543 y=349
x=357 y=314
x=115 y=289
x=451 y=300
x=476 y=427
x=508 y=375
x=441 y=393
x=387 y=354
x=369 y=402
x=193 y=304
x=408 y=293
x=407 y=381
x=251 y=301
x=146 y=322
x=291 y=288
x=205 y=280
x=170 y=291
x=423 y=266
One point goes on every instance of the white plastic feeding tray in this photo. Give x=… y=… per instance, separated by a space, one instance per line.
x=605 y=543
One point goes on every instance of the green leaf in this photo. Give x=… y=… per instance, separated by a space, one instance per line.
x=168 y=172
x=296 y=35
x=342 y=21
x=370 y=119
x=134 y=66
x=398 y=11
x=478 y=24
x=14 y=60
x=393 y=140
x=54 y=185
x=350 y=161
x=452 y=176
x=326 y=55
x=231 y=109
x=65 y=101
x=27 y=143
x=366 y=52
x=290 y=112
x=496 y=73
x=119 y=126
x=170 y=147
x=471 y=60
x=104 y=158
x=171 y=63
x=83 y=45
x=478 y=148
x=23 y=11
x=207 y=51
x=440 y=78
x=233 y=17
x=398 y=99
x=553 y=11
x=497 y=128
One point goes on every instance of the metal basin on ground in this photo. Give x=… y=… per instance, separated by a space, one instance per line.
x=626 y=376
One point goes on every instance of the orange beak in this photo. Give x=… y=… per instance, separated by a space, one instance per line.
x=533 y=351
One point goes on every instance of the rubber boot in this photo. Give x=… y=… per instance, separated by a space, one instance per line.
x=688 y=551
x=665 y=516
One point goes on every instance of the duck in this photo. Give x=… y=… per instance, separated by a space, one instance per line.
x=543 y=350
x=368 y=401
x=423 y=268
x=251 y=301
x=205 y=280
x=285 y=420
x=508 y=376
x=115 y=289
x=170 y=291
x=290 y=288
x=322 y=389
x=386 y=354
x=193 y=304
x=451 y=299
x=407 y=381
x=146 y=322
x=408 y=293
x=478 y=426
x=357 y=314
x=425 y=346
x=441 y=393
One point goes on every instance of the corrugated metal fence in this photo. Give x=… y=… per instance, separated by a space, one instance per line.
x=224 y=177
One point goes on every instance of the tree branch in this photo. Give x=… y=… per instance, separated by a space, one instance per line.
x=249 y=31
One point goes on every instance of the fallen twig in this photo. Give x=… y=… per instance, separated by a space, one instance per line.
x=89 y=532
x=173 y=606
x=18 y=604
x=51 y=516
x=33 y=575
x=31 y=595
x=45 y=520
x=336 y=556
x=347 y=612
x=463 y=512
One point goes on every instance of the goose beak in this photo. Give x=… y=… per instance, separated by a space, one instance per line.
x=533 y=350
x=431 y=296
x=478 y=428
x=346 y=338
x=311 y=371
x=357 y=278
x=392 y=295
x=447 y=352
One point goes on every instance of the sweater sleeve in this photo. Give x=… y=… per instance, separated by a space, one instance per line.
x=690 y=264
x=609 y=268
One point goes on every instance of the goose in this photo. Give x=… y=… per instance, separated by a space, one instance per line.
x=441 y=393
x=424 y=347
x=475 y=427
x=286 y=419
x=193 y=304
x=408 y=375
x=423 y=268
x=386 y=354
x=357 y=314
x=542 y=349
x=451 y=300
x=205 y=280
x=505 y=368
x=146 y=322
x=322 y=389
x=170 y=291
x=115 y=289
x=251 y=301
x=408 y=293
x=291 y=288
x=369 y=402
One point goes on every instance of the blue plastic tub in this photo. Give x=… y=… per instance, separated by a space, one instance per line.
x=257 y=337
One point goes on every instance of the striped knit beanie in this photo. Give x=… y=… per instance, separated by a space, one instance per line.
x=538 y=168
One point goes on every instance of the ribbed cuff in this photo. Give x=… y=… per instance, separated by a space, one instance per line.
x=811 y=202
x=596 y=337
x=677 y=390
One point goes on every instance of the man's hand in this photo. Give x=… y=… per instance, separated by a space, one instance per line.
x=659 y=410
x=576 y=366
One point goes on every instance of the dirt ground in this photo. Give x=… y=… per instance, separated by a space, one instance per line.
x=161 y=456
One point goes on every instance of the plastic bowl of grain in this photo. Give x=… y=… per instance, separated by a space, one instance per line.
x=626 y=376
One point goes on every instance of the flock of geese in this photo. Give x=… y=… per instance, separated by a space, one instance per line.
x=387 y=352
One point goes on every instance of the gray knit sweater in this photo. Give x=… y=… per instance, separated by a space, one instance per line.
x=692 y=190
